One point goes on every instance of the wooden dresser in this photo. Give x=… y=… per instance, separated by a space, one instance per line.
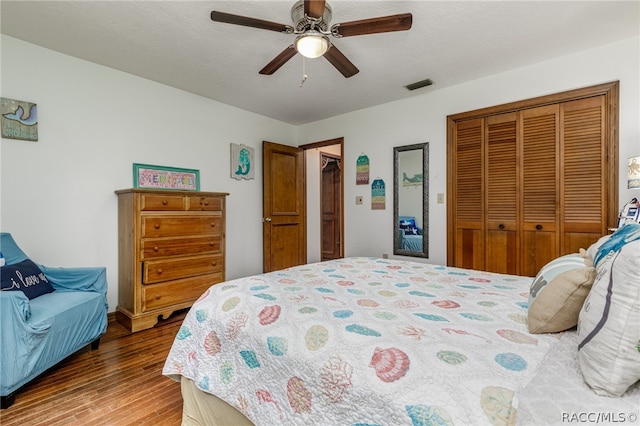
x=171 y=248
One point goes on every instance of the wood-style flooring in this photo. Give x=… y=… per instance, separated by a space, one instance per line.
x=120 y=383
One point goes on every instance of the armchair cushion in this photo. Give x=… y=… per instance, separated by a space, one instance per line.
x=25 y=276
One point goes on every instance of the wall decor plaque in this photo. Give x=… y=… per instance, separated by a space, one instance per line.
x=242 y=161
x=162 y=177
x=19 y=120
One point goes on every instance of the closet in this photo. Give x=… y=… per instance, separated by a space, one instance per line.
x=532 y=180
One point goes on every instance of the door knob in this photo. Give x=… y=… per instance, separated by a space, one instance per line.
x=267 y=219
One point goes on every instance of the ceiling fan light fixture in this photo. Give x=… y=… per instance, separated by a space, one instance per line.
x=312 y=44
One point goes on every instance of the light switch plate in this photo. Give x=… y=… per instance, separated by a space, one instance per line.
x=440 y=197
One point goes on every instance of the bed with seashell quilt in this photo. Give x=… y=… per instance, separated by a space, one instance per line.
x=368 y=341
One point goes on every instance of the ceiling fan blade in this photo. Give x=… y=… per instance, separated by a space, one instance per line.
x=341 y=62
x=279 y=60
x=383 y=24
x=314 y=8
x=229 y=18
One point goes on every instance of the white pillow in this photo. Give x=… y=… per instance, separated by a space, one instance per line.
x=593 y=248
x=609 y=324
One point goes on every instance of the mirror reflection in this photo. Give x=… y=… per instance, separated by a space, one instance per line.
x=411 y=200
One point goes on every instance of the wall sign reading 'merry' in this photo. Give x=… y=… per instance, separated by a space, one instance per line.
x=161 y=177
x=378 y=195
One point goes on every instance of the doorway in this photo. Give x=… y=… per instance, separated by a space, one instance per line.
x=325 y=201
x=330 y=206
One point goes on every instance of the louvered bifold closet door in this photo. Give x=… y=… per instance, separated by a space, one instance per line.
x=501 y=226
x=583 y=178
x=468 y=220
x=539 y=187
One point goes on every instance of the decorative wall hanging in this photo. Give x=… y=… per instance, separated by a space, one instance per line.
x=161 y=177
x=19 y=120
x=362 y=170
x=378 y=195
x=242 y=161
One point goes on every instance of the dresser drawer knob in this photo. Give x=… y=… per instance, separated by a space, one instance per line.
x=214 y=263
x=157 y=226
x=213 y=224
x=204 y=201
x=165 y=202
x=156 y=248
x=159 y=271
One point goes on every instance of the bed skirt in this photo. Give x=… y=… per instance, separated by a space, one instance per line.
x=203 y=409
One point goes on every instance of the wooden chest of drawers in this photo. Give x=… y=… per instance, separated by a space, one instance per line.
x=171 y=248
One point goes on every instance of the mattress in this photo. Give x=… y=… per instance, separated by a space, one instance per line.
x=558 y=394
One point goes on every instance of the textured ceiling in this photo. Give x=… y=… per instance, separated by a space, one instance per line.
x=176 y=43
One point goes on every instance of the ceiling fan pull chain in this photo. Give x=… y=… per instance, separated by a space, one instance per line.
x=304 y=74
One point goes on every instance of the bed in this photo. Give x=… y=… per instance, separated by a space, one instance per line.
x=368 y=341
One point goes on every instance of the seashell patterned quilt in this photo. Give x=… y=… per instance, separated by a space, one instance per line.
x=363 y=341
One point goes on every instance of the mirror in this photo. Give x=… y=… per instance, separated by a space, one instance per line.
x=411 y=200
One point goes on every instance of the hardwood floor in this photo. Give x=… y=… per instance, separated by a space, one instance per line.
x=120 y=383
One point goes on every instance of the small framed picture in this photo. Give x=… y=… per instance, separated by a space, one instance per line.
x=162 y=177
x=19 y=120
x=242 y=161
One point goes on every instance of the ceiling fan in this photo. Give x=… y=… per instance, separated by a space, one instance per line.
x=311 y=20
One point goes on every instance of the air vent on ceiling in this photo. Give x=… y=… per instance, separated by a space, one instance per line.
x=419 y=84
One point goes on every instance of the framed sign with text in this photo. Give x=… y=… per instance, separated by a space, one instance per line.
x=162 y=177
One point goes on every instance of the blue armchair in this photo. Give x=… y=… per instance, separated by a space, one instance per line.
x=38 y=333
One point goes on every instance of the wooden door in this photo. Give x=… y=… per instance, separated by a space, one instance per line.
x=539 y=187
x=584 y=180
x=330 y=200
x=284 y=207
x=566 y=179
x=501 y=220
x=467 y=194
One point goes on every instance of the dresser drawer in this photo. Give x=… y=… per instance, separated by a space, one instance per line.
x=162 y=247
x=205 y=203
x=149 y=202
x=177 y=292
x=154 y=271
x=178 y=225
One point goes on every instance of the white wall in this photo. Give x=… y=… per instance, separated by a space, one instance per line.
x=375 y=131
x=57 y=194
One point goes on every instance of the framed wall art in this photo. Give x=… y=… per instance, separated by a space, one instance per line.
x=19 y=120
x=162 y=177
x=242 y=161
